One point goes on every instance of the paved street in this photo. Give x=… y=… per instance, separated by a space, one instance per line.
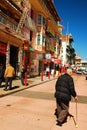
x=33 y=108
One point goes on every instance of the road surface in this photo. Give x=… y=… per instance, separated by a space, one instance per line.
x=33 y=108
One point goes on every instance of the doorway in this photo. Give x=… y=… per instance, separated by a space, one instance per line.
x=14 y=56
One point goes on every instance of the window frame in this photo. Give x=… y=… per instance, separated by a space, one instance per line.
x=41 y=20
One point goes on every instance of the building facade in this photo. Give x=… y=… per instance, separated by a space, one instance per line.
x=68 y=52
x=29 y=34
x=10 y=42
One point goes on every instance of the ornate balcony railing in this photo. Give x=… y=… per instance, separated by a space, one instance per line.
x=7 y=21
x=12 y=6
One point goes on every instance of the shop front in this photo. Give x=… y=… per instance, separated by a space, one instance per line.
x=36 y=64
x=14 y=57
x=9 y=49
x=3 y=53
x=33 y=60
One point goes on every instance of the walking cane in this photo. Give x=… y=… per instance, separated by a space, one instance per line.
x=75 y=121
x=76 y=115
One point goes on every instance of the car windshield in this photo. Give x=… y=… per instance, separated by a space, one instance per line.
x=79 y=70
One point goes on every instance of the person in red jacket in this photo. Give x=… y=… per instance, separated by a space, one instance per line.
x=64 y=89
x=9 y=74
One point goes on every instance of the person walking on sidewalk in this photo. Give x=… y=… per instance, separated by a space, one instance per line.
x=64 y=89
x=23 y=71
x=9 y=74
x=47 y=70
x=1 y=74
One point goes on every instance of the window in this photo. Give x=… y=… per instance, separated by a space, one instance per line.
x=4 y=21
x=31 y=35
x=41 y=19
x=0 y=18
x=56 y=36
x=43 y=39
x=38 y=39
x=15 y=27
x=44 y=21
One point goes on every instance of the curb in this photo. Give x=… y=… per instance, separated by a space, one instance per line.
x=26 y=87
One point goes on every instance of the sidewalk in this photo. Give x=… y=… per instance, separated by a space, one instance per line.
x=17 y=86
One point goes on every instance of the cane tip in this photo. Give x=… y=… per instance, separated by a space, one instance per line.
x=76 y=126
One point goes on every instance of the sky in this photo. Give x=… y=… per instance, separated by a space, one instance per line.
x=73 y=15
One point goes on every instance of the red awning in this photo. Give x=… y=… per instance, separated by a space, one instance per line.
x=57 y=61
x=45 y=61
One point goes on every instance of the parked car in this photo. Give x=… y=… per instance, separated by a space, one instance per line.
x=79 y=71
x=85 y=72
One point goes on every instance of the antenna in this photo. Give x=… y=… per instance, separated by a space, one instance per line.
x=67 y=30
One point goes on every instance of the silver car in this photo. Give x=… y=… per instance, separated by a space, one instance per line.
x=85 y=72
x=79 y=71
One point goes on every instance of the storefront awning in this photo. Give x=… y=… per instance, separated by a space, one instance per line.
x=29 y=48
x=57 y=61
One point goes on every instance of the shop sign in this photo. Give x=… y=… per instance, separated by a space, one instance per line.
x=38 y=47
x=48 y=56
x=3 y=48
x=26 y=47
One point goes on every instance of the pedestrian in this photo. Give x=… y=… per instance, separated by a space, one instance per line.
x=57 y=70
x=47 y=70
x=1 y=74
x=9 y=74
x=64 y=89
x=23 y=71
